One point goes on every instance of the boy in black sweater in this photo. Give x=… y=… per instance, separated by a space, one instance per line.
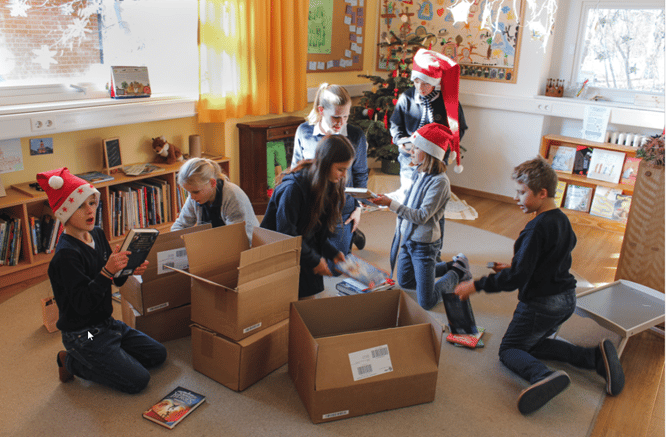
x=540 y=270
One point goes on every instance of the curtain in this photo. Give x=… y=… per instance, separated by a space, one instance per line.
x=252 y=57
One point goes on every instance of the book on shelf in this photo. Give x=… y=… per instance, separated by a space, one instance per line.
x=468 y=340
x=4 y=225
x=559 y=193
x=460 y=314
x=562 y=158
x=603 y=203
x=582 y=160
x=578 y=198
x=606 y=165
x=47 y=227
x=367 y=276
x=140 y=169
x=95 y=176
x=620 y=211
x=174 y=407
x=139 y=243
x=630 y=170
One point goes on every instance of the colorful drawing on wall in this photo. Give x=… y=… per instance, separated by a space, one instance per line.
x=482 y=36
x=320 y=16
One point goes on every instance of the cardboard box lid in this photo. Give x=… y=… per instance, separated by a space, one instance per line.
x=167 y=241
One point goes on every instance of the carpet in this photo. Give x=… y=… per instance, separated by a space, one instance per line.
x=475 y=394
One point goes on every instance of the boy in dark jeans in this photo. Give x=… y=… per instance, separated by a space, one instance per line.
x=540 y=270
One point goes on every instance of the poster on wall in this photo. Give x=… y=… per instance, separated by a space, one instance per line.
x=11 y=157
x=482 y=36
x=320 y=26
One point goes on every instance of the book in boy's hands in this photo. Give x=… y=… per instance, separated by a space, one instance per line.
x=468 y=340
x=174 y=407
x=139 y=242
x=460 y=315
x=368 y=276
x=360 y=193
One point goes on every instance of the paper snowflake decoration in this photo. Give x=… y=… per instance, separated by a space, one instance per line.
x=44 y=57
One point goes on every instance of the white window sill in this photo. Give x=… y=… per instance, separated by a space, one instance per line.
x=20 y=121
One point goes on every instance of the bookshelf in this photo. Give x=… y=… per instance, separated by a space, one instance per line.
x=23 y=201
x=550 y=141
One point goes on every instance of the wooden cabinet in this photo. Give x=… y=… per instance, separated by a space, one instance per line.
x=23 y=201
x=550 y=141
x=256 y=166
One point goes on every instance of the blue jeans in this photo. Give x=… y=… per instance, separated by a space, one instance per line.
x=417 y=269
x=117 y=356
x=526 y=341
x=342 y=238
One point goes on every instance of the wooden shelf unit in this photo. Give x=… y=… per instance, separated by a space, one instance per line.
x=549 y=141
x=23 y=201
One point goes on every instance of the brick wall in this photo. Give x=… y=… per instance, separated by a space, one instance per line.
x=44 y=25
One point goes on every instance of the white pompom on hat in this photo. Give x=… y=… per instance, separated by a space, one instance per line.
x=65 y=191
x=434 y=139
x=434 y=68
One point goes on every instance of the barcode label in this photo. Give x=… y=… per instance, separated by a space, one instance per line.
x=251 y=328
x=176 y=258
x=337 y=414
x=370 y=362
x=181 y=252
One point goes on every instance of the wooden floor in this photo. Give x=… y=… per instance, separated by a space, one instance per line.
x=639 y=411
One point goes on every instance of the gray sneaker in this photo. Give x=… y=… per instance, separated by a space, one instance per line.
x=461 y=263
x=612 y=368
x=540 y=393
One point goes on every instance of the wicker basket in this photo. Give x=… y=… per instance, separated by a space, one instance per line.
x=49 y=313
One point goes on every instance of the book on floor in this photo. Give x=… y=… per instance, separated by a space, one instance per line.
x=460 y=315
x=469 y=340
x=367 y=277
x=139 y=242
x=174 y=407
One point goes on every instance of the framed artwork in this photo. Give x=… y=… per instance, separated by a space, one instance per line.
x=486 y=45
x=112 y=154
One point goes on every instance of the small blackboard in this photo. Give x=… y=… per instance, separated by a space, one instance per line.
x=112 y=154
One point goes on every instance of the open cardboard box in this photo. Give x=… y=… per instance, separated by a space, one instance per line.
x=238 y=365
x=359 y=354
x=160 y=288
x=238 y=290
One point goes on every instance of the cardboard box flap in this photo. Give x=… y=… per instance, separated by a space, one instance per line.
x=411 y=313
x=207 y=281
x=167 y=241
x=212 y=248
x=410 y=351
x=332 y=316
x=252 y=271
x=301 y=361
x=271 y=251
x=262 y=237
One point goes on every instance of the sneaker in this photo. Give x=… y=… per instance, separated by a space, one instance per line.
x=611 y=369
x=540 y=393
x=461 y=263
x=359 y=240
x=63 y=374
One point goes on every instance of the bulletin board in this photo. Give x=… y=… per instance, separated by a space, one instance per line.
x=482 y=53
x=335 y=35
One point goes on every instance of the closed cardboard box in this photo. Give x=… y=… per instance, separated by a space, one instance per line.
x=161 y=326
x=360 y=354
x=238 y=365
x=238 y=290
x=160 y=288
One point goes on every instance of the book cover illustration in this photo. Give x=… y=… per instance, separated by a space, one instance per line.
x=603 y=203
x=578 y=198
x=562 y=158
x=630 y=170
x=371 y=277
x=460 y=315
x=620 y=211
x=139 y=242
x=606 y=165
x=469 y=340
x=174 y=407
x=559 y=193
x=582 y=160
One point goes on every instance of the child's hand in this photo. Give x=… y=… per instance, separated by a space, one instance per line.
x=355 y=217
x=381 y=200
x=322 y=269
x=465 y=289
x=117 y=260
x=141 y=269
x=497 y=267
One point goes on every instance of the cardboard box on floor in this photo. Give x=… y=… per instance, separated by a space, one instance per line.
x=360 y=354
x=238 y=290
x=159 y=288
x=238 y=365
x=161 y=326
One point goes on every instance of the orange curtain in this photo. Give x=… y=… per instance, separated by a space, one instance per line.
x=252 y=57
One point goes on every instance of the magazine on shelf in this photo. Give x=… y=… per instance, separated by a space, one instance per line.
x=620 y=211
x=606 y=165
x=582 y=159
x=562 y=158
x=630 y=170
x=460 y=315
x=139 y=242
x=578 y=198
x=603 y=203
x=366 y=276
x=95 y=176
x=559 y=194
x=174 y=407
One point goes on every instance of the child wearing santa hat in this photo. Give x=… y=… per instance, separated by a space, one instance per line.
x=434 y=99
x=98 y=347
x=418 y=235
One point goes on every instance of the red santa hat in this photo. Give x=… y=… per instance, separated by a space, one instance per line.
x=434 y=68
x=434 y=139
x=66 y=192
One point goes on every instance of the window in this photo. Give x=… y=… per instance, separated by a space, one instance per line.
x=621 y=49
x=62 y=49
